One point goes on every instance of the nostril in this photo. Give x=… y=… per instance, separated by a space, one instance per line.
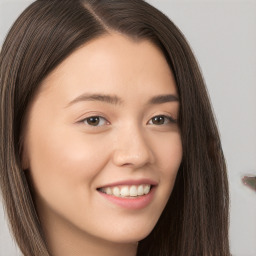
x=133 y=157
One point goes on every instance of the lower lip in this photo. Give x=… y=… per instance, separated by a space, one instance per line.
x=131 y=203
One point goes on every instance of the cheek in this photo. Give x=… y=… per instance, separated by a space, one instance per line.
x=169 y=155
x=62 y=161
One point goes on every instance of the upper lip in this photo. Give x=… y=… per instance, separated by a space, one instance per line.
x=131 y=182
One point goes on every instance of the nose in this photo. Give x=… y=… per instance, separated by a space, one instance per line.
x=132 y=149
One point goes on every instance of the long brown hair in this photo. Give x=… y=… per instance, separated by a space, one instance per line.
x=195 y=220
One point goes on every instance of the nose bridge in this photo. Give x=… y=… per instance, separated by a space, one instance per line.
x=132 y=147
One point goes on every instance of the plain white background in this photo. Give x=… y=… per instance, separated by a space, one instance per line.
x=222 y=34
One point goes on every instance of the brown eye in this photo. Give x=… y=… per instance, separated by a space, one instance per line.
x=158 y=120
x=162 y=120
x=95 y=121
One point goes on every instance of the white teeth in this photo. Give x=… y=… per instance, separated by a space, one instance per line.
x=146 y=189
x=133 y=191
x=109 y=191
x=127 y=191
x=116 y=191
x=141 y=190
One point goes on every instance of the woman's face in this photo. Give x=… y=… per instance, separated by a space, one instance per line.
x=102 y=144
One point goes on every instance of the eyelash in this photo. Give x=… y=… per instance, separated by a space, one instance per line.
x=169 y=119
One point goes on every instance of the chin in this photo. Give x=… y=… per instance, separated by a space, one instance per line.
x=129 y=235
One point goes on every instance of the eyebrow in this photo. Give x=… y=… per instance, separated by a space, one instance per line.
x=115 y=100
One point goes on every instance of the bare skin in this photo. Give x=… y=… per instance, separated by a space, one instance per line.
x=128 y=137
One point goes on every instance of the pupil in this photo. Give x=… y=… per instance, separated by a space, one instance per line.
x=158 y=120
x=93 y=121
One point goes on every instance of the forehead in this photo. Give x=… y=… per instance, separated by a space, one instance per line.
x=112 y=62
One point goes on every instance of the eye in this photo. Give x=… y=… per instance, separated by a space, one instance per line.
x=95 y=121
x=162 y=120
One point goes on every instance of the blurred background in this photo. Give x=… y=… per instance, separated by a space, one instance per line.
x=222 y=34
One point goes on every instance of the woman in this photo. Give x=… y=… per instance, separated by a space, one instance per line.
x=109 y=144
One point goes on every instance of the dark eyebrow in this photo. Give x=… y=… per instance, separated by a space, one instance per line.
x=115 y=100
x=159 y=99
x=112 y=99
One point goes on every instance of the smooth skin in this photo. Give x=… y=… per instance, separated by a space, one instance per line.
x=68 y=156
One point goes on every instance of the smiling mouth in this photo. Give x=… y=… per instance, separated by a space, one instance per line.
x=125 y=191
